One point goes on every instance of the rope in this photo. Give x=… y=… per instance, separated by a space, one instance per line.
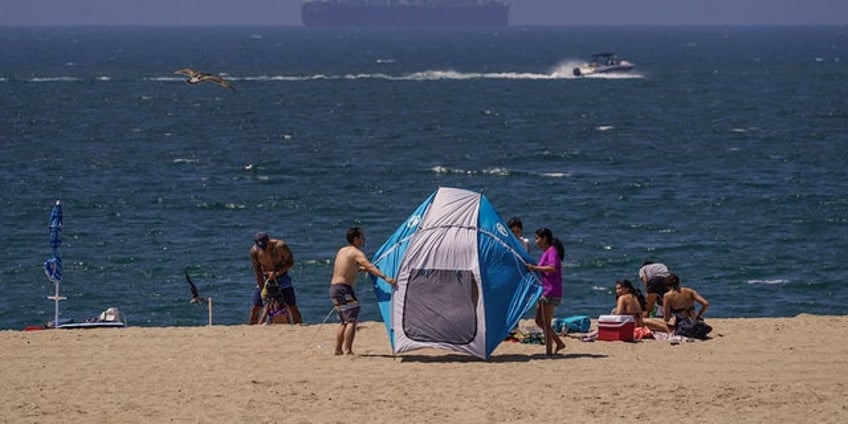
x=319 y=326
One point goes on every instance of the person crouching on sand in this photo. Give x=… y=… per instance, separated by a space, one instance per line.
x=349 y=261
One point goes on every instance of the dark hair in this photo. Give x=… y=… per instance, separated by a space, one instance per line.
x=353 y=233
x=545 y=233
x=672 y=282
x=515 y=222
x=634 y=291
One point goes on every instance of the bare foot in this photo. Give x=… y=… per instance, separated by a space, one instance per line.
x=559 y=348
x=338 y=353
x=349 y=353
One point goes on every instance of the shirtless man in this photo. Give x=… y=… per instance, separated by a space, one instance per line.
x=349 y=261
x=272 y=259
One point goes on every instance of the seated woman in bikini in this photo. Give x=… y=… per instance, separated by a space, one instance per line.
x=681 y=301
x=630 y=301
x=627 y=302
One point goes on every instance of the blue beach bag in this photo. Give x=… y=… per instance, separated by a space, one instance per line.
x=575 y=324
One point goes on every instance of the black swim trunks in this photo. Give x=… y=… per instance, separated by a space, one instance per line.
x=345 y=301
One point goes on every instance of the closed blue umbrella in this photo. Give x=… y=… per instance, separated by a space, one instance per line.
x=53 y=266
x=56 y=226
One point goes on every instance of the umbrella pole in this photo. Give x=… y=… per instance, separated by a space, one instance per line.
x=210 y=311
x=56 y=298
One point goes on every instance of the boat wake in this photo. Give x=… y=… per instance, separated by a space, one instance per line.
x=562 y=71
x=428 y=75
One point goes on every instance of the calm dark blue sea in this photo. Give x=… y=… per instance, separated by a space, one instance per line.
x=723 y=154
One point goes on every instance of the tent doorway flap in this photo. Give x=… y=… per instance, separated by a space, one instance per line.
x=440 y=306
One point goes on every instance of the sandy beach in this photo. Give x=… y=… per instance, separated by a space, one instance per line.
x=753 y=370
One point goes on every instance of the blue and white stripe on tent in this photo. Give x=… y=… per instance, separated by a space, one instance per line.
x=504 y=271
x=388 y=258
x=462 y=278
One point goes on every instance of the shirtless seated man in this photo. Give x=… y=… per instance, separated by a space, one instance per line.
x=349 y=261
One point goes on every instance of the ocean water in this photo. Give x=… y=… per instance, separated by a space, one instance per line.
x=723 y=155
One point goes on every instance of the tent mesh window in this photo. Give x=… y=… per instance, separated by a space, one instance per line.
x=441 y=306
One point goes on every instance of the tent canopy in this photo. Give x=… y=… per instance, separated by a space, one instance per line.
x=462 y=278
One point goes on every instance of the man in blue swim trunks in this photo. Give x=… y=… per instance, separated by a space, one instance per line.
x=272 y=259
x=349 y=261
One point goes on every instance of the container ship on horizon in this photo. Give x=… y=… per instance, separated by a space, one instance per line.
x=420 y=13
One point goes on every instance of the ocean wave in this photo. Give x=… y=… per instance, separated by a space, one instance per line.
x=52 y=79
x=768 y=282
x=495 y=171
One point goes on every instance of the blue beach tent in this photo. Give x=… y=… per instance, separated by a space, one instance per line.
x=462 y=278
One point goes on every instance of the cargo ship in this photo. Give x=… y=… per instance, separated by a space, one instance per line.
x=419 y=13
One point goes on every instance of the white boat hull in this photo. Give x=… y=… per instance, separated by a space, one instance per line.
x=622 y=66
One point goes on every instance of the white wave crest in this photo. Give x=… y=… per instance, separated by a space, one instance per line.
x=53 y=79
x=768 y=282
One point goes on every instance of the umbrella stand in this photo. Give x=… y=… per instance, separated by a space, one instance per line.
x=56 y=299
x=209 y=300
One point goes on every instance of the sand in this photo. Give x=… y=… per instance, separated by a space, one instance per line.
x=754 y=370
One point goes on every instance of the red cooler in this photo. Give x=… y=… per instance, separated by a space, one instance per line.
x=616 y=327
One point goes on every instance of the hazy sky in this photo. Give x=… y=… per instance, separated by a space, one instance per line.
x=522 y=12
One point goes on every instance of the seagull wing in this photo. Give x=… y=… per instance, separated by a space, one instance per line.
x=187 y=72
x=218 y=80
x=194 y=294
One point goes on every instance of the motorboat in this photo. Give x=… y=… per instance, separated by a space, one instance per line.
x=603 y=63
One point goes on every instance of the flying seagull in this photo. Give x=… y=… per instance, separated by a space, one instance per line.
x=196 y=77
x=195 y=296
